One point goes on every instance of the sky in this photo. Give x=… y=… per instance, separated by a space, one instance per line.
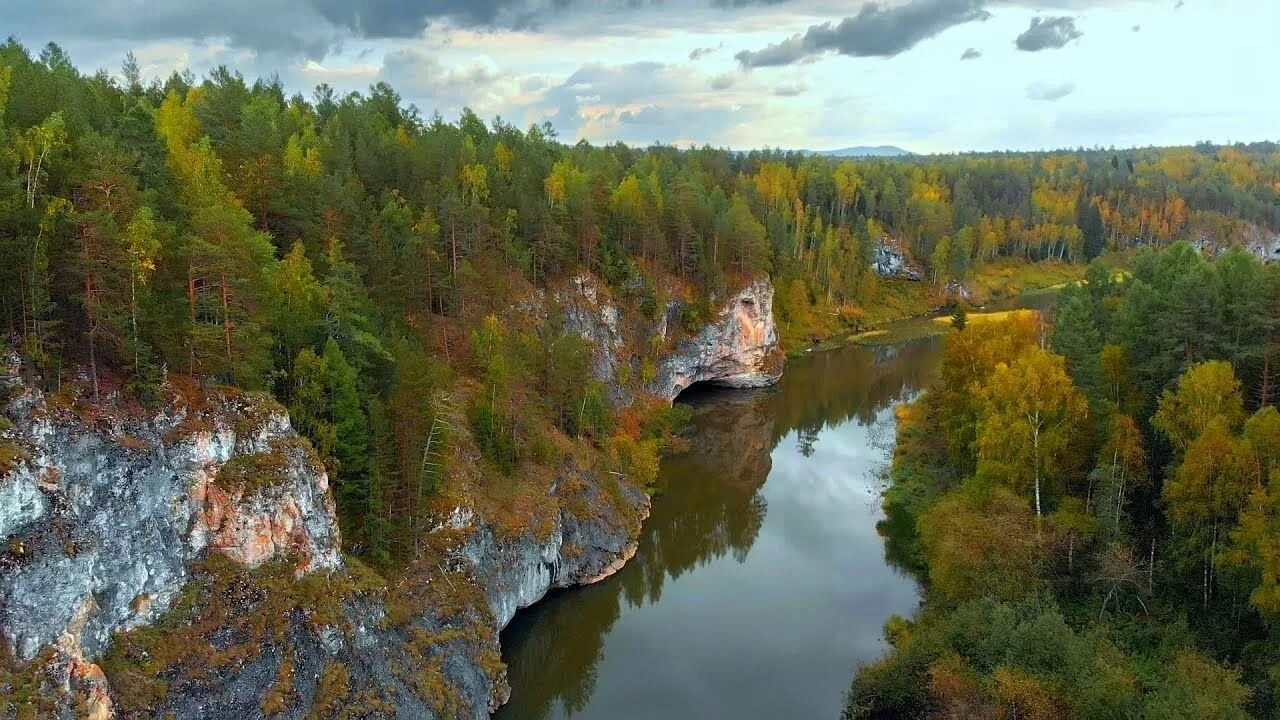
x=926 y=75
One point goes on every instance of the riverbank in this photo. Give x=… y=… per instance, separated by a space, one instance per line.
x=1100 y=605
x=889 y=318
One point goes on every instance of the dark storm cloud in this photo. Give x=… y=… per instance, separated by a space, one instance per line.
x=309 y=28
x=271 y=26
x=406 y=18
x=1046 y=34
x=971 y=54
x=876 y=31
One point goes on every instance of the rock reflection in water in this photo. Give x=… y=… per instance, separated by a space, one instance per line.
x=705 y=636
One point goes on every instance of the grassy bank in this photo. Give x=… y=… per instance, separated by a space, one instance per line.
x=881 y=319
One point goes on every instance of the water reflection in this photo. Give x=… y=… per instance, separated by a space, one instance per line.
x=748 y=598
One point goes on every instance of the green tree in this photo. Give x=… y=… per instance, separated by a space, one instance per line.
x=1194 y=688
x=227 y=261
x=1077 y=340
x=351 y=449
x=1207 y=492
x=981 y=545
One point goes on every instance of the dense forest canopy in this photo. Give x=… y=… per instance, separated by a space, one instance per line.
x=1094 y=505
x=351 y=255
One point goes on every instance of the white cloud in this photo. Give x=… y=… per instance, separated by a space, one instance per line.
x=1050 y=91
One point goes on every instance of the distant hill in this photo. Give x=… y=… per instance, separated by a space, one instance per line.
x=864 y=151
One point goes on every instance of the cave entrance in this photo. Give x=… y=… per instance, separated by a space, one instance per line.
x=699 y=391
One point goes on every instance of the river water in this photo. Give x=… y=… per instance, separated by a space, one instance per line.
x=761 y=581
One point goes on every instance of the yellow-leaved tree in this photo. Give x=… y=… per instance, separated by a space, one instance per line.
x=1207 y=393
x=1030 y=425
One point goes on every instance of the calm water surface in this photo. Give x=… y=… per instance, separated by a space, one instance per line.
x=761 y=581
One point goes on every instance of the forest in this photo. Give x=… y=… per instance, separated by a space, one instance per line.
x=351 y=255
x=1094 y=504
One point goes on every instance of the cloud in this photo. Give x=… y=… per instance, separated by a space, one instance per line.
x=723 y=81
x=407 y=18
x=1050 y=91
x=316 y=28
x=876 y=31
x=643 y=102
x=1045 y=34
x=425 y=81
x=288 y=27
x=699 y=53
x=971 y=54
x=790 y=90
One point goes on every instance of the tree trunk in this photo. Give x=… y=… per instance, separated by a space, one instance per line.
x=191 y=306
x=91 y=320
x=133 y=319
x=226 y=319
x=1151 y=568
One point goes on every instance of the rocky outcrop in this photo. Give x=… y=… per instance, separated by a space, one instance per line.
x=589 y=312
x=737 y=347
x=516 y=573
x=891 y=261
x=106 y=508
x=1264 y=244
x=109 y=516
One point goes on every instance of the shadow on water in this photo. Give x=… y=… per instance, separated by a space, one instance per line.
x=741 y=593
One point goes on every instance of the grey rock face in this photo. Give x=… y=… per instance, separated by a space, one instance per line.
x=103 y=518
x=517 y=574
x=1264 y=245
x=589 y=312
x=891 y=262
x=375 y=660
x=738 y=349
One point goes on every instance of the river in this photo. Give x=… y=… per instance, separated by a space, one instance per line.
x=761 y=581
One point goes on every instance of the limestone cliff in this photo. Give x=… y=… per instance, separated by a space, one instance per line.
x=103 y=508
x=207 y=515
x=113 y=519
x=736 y=347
